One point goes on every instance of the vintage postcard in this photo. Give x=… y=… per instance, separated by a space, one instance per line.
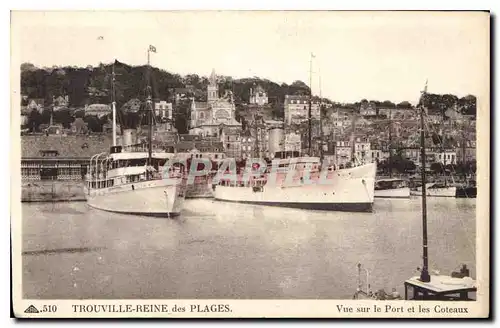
x=250 y=164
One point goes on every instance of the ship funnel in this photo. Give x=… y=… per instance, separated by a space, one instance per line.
x=276 y=140
x=129 y=137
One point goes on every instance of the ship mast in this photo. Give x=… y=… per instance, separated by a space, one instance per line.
x=310 y=105
x=390 y=142
x=424 y=274
x=321 y=155
x=113 y=103
x=149 y=107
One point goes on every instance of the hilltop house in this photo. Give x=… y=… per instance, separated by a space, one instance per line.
x=60 y=102
x=98 y=110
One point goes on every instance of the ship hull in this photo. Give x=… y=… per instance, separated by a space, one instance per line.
x=157 y=198
x=340 y=207
x=350 y=190
x=393 y=193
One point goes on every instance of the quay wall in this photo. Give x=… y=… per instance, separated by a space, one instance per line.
x=52 y=191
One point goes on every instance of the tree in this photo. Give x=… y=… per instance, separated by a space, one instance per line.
x=63 y=117
x=79 y=114
x=404 y=105
x=93 y=123
x=388 y=104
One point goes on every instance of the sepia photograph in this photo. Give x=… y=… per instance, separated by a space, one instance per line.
x=250 y=163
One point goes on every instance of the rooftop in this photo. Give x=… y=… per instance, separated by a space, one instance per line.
x=70 y=146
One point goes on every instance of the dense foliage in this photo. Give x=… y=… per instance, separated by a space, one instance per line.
x=89 y=85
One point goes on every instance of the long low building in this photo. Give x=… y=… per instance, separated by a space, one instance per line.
x=57 y=157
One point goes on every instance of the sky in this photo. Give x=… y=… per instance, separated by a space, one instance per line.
x=372 y=55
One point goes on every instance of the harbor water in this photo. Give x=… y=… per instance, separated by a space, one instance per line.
x=226 y=250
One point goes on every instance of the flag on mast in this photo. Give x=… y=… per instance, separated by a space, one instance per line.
x=152 y=48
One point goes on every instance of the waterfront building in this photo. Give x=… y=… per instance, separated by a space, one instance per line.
x=57 y=157
x=467 y=153
x=446 y=156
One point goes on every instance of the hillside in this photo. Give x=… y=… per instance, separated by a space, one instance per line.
x=89 y=85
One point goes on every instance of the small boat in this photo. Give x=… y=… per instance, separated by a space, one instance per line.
x=368 y=294
x=392 y=188
x=435 y=189
x=466 y=191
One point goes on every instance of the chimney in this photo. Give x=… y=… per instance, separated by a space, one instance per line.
x=129 y=137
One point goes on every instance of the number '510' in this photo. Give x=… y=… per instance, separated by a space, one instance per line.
x=49 y=308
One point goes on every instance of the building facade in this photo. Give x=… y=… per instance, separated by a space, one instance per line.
x=297 y=109
x=343 y=152
x=163 y=110
x=57 y=157
x=362 y=149
x=217 y=114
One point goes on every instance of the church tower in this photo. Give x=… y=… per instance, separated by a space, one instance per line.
x=212 y=89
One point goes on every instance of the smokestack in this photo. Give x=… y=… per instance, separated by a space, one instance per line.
x=129 y=137
x=276 y=140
